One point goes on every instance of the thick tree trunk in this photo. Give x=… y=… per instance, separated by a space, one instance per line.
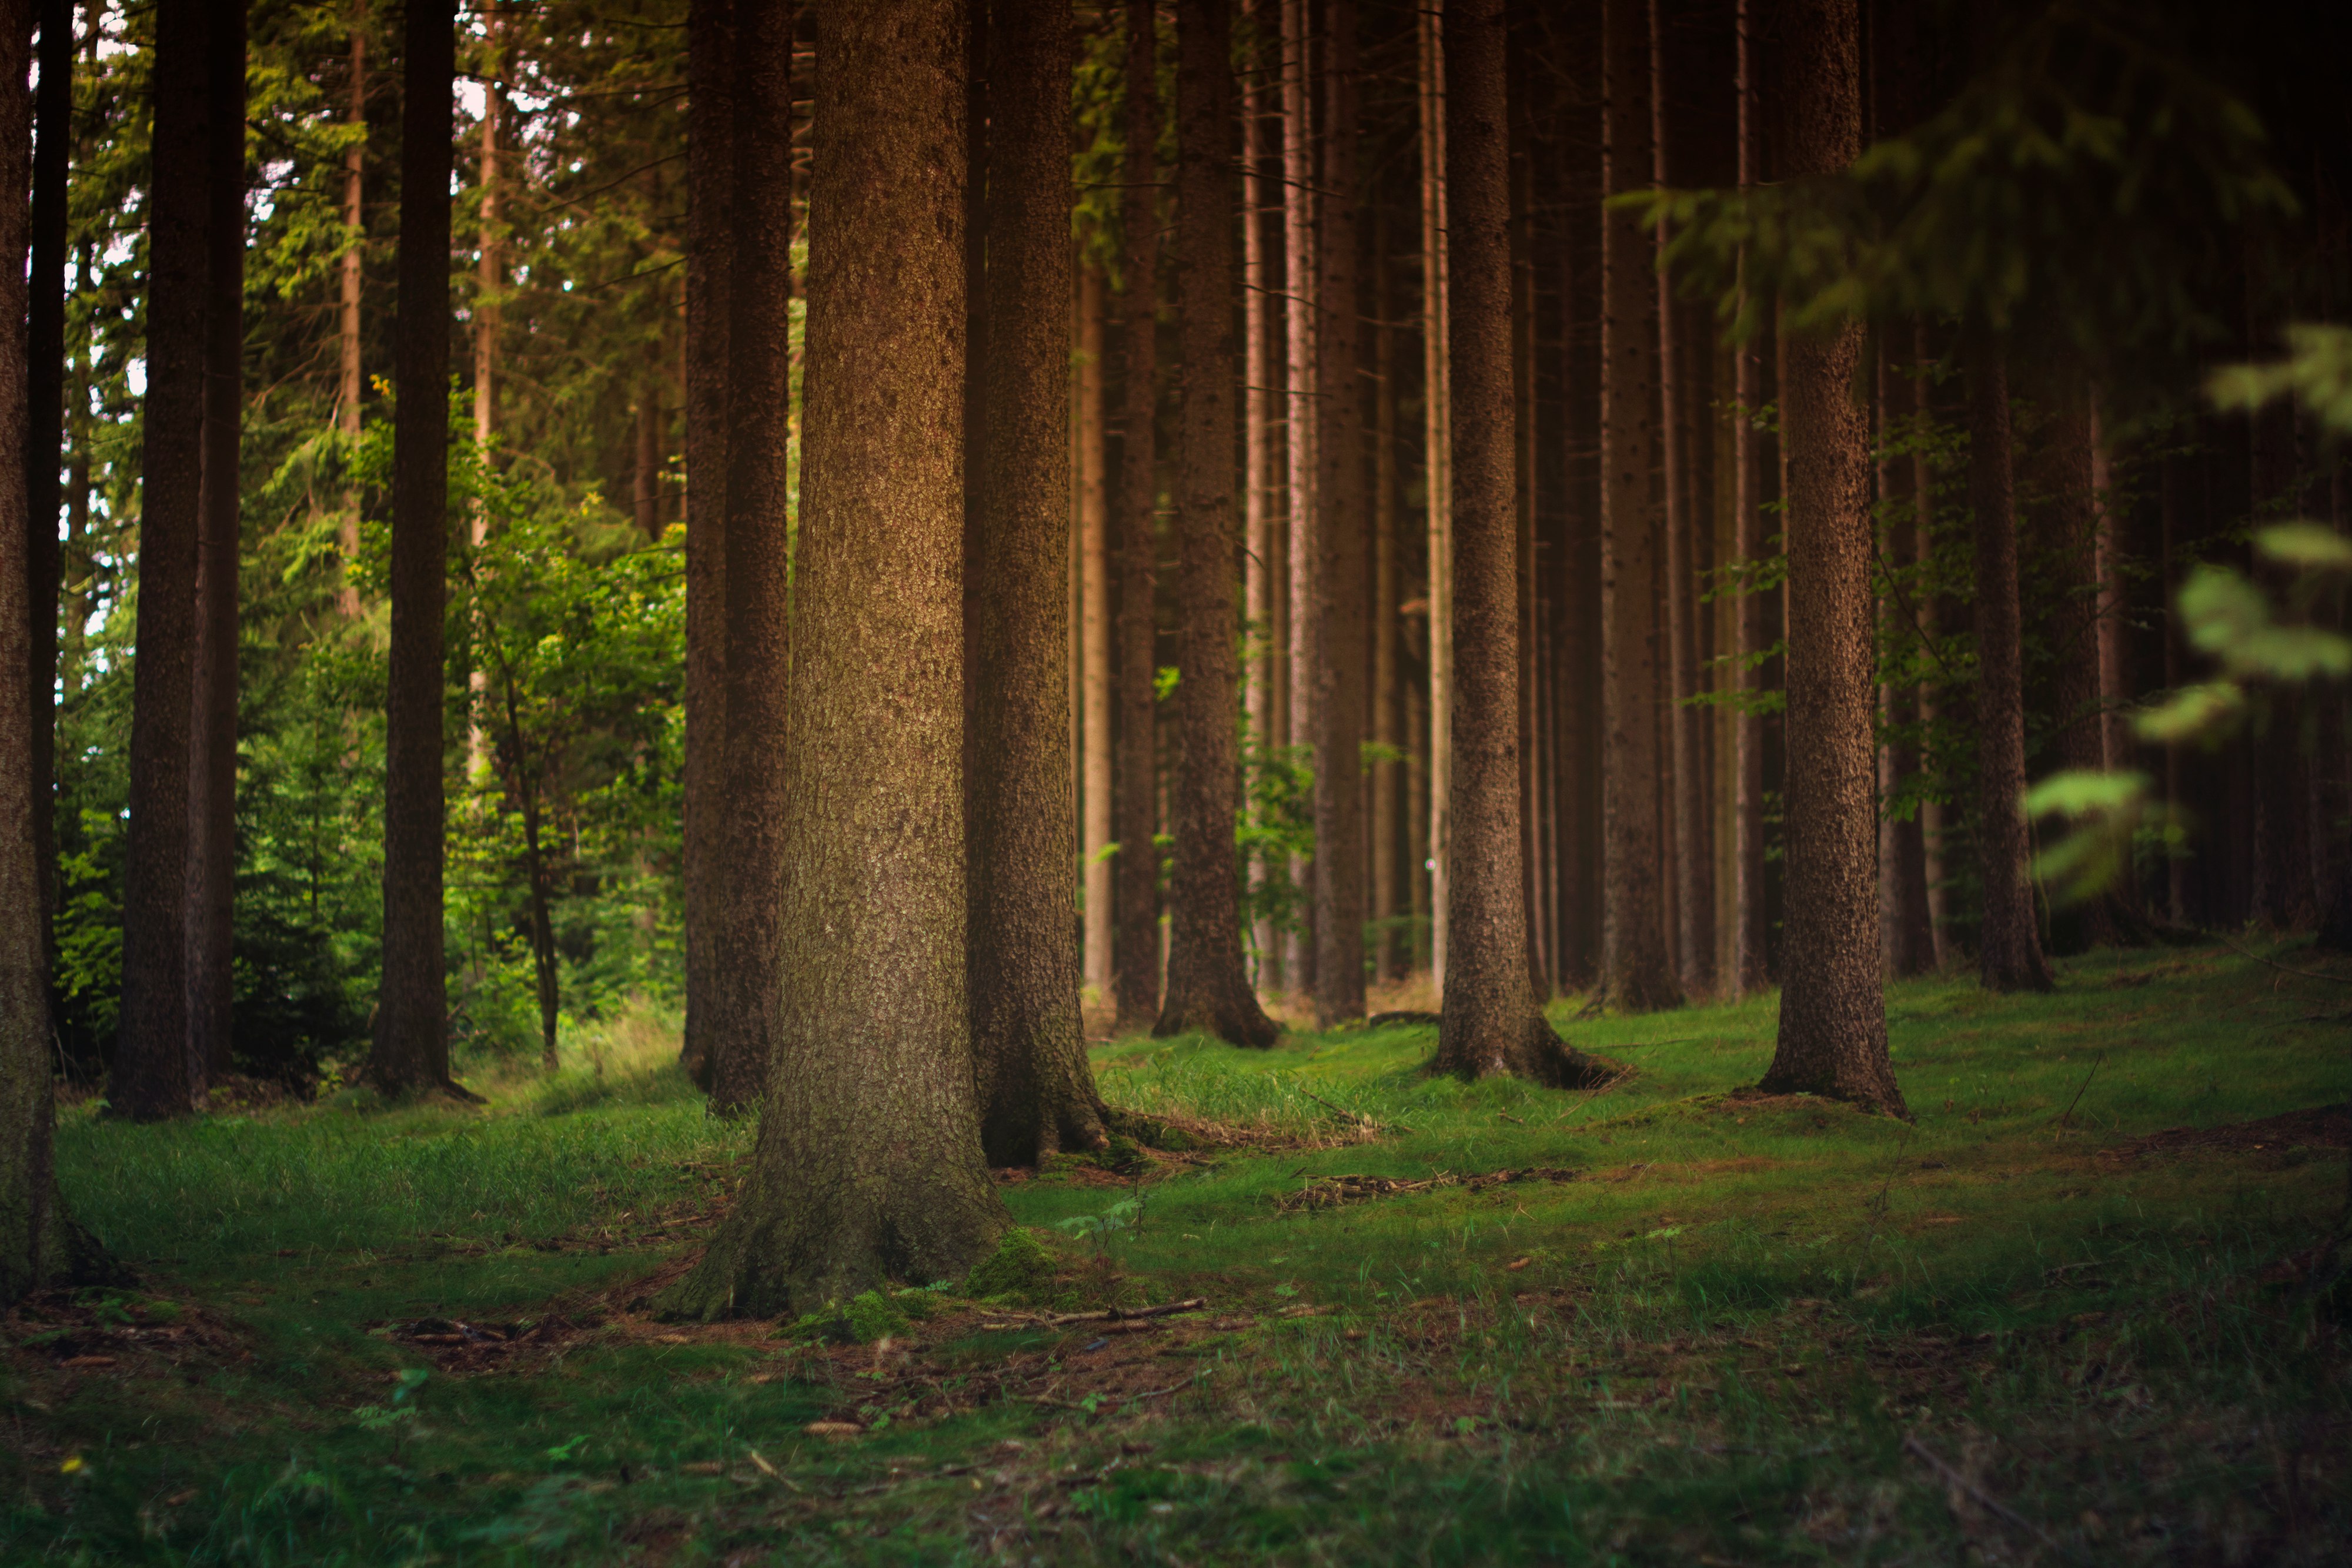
x=211 y=729
x=1751 y=928
x=1637 y=971
x=349 y=386
x=1833 y=1038
x=710 y=197
x=155 y=1074
x=868 y=1162
x=1906 y=932
x=1092 y=638
x=1208 y=988
x=1135 y=940
x=1436 y=479
x=1491 y=1021
x=412 y=1036
x=44 y=421
x=1340 y=562
x=751 y=815
x=2008 y=948
x=1036 y=1092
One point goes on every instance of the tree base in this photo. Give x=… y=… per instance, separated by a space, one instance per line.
x=1235 y=1020
x=1534 y=1052
x=1868 y=1086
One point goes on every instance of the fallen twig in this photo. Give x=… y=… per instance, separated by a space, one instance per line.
x=2077 y=1100
x=1127 y=1314
x=1983 y=1499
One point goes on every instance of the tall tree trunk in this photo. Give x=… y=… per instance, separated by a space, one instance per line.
x=1637 y=971
x=349 y=386
x=754 y=812
x=1935 y=813
x=1301 y=425
x=212 y=731
x=2070 y=456
x=489 y=279
x=1750 y=945
x=1908 y=936
x=1094 y=631
x=44 y=421
x=868 y=1163
x=155 y=1074
x=1390 y=953
x=1491 y=1021
x=710 y=197
x=1036 y=1092
x=2283 y=896
x=1135 y=958
x=2009 y=948
x=1833 y=1038
x=1436 y=478
x=645 y=477
x=1208 y=989
x=412 y=1041
x=1262 y=374
x=1338 y=565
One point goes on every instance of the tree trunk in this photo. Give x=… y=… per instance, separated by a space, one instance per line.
x=1208 y=989
x=868 y=1164
x=412 y=1037
x=1833 y=1038
x=155 y=1074
x=349 y=386
x=1637 y=972
x=1750 y=941
x=2070 y=455
x=711 y=196
x=212 y=731
x=1135 y=958
x=2009 y=954
x=1491 y=1022
x=2285 y=898
x=1907 y=930
x=1935 y=814
x=646 y=477
x=752 y=814
x=1036 y=1092
x=1301 y=425
x=1263 y=376
x=489 y=277
x=1093 y=640
x=1436 y=479
x=1391 y=954
x=44 y=421
x=1338 y=565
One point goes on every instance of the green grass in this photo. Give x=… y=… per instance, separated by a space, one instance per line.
x=1746 y=1332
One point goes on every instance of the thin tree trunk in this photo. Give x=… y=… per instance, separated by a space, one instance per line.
x=1261 y=678
x=1094 y=632
x=2285 y=898
x=1135 y=959
x=2009 y=952
x=1935 y=813
x=1491 y=1022
x=1437 y=479
x=1208 y=988
x=711 y=196
x=1833 y=1038
x=1521 y=165
x=2176 y=867
x=1301 y=425
x=1391 y=954
x=44 y=421
x=212 y=731
x=349 y=385
x=1751 y=944
x=1906 y=931
x=868 y=1162
x=646 y=479
x=489 y=279
x=753 y=815
x=155 y=1075
x=1036 y=1092
x=2070 y=451
x=1637 y=971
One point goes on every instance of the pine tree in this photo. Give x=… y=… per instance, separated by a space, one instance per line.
x=45 y=340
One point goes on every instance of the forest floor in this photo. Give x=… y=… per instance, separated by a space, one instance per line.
x=2081 y=1311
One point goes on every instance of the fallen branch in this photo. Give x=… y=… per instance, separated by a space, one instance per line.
x=1981 y=1498
x=1128 y=1314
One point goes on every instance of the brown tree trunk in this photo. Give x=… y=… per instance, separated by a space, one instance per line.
x=868 y=1163
x=211 y=730
x=751 y=815
x=1935 y=814
x=1907 y=935
x=1134 y=937
x=1833 y=1038
x=2285 y=898
x=45 y=420
x=1036 y=1092
x=1436 y=478
x=1264 y=612
x=1750 y=943
x=2070 y=461
x=1091 y=641
x=1340 y=563
x=1637 y=972
x=645 y=478
x=349 y=385
x=1302 y=403
x=1208 y=989
x=412 y=1034
x=2009 y=945
x=710 y=197
x=1491 y=1021
x=1392 y=952
x=155 y=1073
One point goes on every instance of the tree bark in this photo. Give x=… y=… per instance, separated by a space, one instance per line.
x=1036 y=1092
x=710 y=198
x=1208 y=989
x=1301 y=423
x=1263 y=375
x=1491 y=1022
x=412 y=1036
x=1833 y=1038
x=1135 y=940
x=155 y=1075
x=2009 y=948
x=1340 y=562
x=1637 y=972
x=1091 y=641
x=868 y=1163
x=212 y=731
x=1436 y=478
x=44 y=421
x=349 y=385
x=759 y=600
x=1936 y=814
x=1392 y=952
x=1750 y=940
x=1907 y=930
x=2071 y=458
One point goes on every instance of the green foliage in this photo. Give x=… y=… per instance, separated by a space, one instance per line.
x=1020 y=1270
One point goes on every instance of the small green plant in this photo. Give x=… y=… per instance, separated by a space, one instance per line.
x=1020 y=1270
x=874 y=1316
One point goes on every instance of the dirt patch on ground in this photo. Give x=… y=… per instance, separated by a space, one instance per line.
x=1332 y=1191
x=60 y=1336
x=2321 y=1127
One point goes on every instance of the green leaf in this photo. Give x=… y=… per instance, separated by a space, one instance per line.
x=2192 y=713
x=2311 y=547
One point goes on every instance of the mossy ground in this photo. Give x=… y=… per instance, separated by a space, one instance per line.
x=1743 y=1331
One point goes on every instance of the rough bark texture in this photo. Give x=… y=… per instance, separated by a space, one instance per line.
x=1907 y=930
x=1391 y=950
x=868 y=1162
x=1208 y=988
x=1436 y=481
x=1637 y=973
x=1265 y=375
x=1135 y=936
x=1091 y=637
x=1833 y=1038
x=751 y=815
x=1036 y=1092
x=711 y=199
x=154 y=1074
x=1340 y=562
x=1750 y=929
x=1491 y=1022
x=212 y=732
x=412 y=1035
x=349 y=385
x=2009 y=943
x=1303 y=540
x=44 y=413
